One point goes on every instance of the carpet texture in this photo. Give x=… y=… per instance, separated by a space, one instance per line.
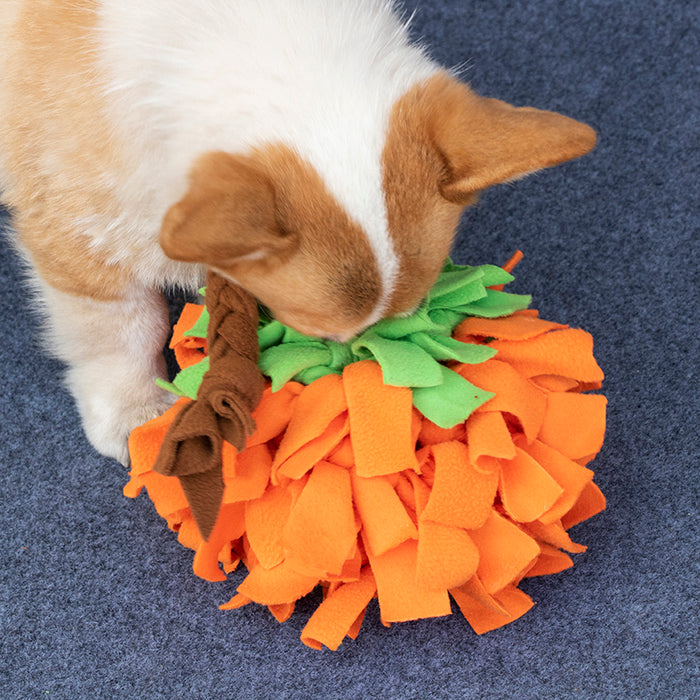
x=97 y=599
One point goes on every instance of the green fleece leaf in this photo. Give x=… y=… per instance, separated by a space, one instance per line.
x=448 y=348
x=496 y=305
x=410 y=349
x=187 y=381
x=199 y=330
x=451 y=402
x=403 y=363
x=283 y=362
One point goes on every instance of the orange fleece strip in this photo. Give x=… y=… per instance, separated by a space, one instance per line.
x=401 y=595
x=319 y=404
x=484 y=619
x=265 y=519
x=334 y=618
x=550 y=561
x=519 y=326
x=514 y=394
x=305 y=456
x=276 y=586
x=589 y=503
x=447 y=556
x=567 y=352
x=461 y=495
x=246 y=474
x=345 y=485
x=513 y=261
x=505 y=551
x=188 y=350
x=321 y=528
x=521 y=477
x=568 y=474
x=229 y=526
x=274 y=412
x=386 y=522
x=380 y=421
x=574 y=424
x=487 y=438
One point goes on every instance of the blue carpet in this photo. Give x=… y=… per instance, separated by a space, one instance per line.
x=97 y=598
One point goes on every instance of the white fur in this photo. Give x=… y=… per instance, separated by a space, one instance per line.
x=114 y=351
x=321 y=76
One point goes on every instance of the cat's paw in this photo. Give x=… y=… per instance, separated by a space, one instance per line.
x=108 y=428
x=112 y=407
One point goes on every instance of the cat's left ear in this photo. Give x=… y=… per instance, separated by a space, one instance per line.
x=485 y=141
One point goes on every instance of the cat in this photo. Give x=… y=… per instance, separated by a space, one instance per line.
x=307 y=149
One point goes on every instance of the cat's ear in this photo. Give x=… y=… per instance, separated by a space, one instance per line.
x=485 y=141
x=226 y=216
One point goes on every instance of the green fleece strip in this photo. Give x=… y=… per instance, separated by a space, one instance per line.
x=410 y=349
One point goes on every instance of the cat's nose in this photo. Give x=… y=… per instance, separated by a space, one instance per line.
x=339 y=337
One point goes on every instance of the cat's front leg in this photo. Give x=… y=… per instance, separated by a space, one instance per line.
x=113 y=349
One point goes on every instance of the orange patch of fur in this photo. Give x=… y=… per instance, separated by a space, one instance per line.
x=268 y=221
x=329 y=240
x=486 y=141
x=422 y=222
x=56 y=125
x=444 y=145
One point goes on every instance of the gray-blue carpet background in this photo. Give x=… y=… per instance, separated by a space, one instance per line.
x=98 y=600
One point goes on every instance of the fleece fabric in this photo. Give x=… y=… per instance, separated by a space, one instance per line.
x=346 y=484
x=409 y=349
x=230 y=390
x=97 y=598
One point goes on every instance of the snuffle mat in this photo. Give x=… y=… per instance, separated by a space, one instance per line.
x=435 y=457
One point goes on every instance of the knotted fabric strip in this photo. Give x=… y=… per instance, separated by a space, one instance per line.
x=230 y=391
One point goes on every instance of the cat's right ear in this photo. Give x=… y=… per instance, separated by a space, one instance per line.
x=227 y=215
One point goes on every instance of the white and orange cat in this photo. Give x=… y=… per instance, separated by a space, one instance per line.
x=304 y=148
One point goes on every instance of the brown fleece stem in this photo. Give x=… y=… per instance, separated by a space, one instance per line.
x=229 y=393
